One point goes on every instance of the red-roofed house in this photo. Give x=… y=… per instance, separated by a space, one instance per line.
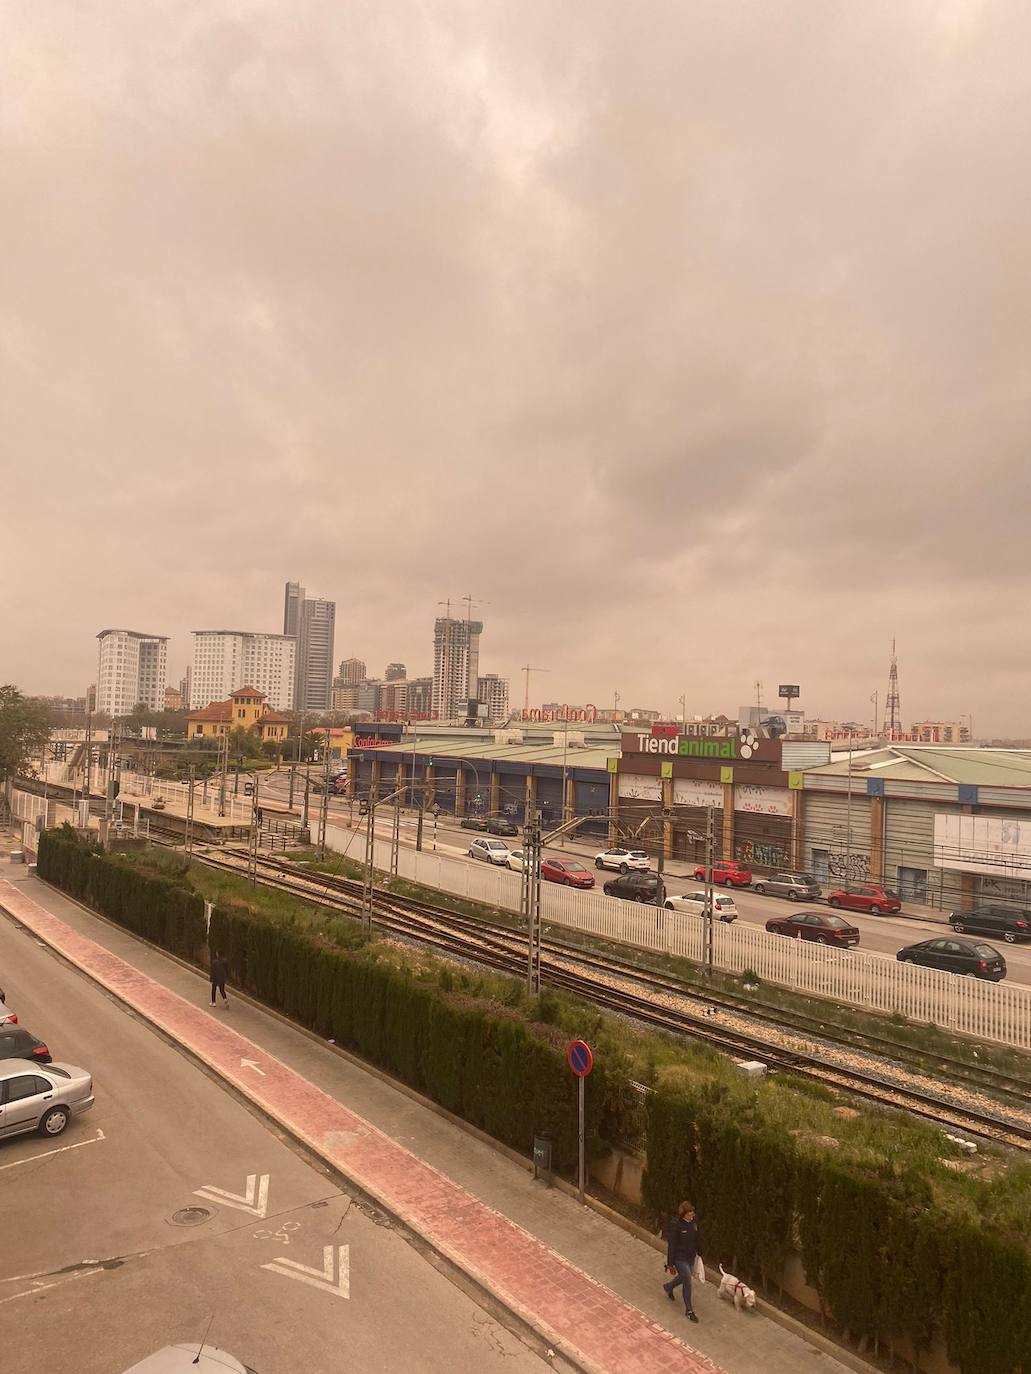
x=246 y=709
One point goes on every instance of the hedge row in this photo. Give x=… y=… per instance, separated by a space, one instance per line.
x=888 y=1263
x=488 y=1066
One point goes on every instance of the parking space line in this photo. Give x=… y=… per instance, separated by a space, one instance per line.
x=59 y=1151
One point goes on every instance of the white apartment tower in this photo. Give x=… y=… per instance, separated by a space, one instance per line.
x=224 y=660
x=456 y=666
x=132 y=669
x=493 y=691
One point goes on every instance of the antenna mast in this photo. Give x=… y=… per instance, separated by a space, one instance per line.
x=892 y=708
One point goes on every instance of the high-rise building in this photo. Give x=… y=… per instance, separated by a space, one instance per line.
x=357 y=696
x=456 y=665
x=393 y=697
x=314 y=687
x=493 y=692
x=420 y=697
x=351 y=670
x=311 y=621
x=132 y=669
x=224 y=660
x=395 y=672
x=292 y=603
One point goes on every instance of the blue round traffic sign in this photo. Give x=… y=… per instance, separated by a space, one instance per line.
x=579 y=1058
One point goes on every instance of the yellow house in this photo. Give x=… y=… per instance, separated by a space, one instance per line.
x=246 y=709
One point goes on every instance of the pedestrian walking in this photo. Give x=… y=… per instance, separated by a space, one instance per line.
x=219 y=973
x=682 y=1249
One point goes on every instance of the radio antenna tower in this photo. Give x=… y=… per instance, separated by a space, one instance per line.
x=892 y=710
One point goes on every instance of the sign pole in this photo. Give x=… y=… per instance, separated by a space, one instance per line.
x=580 y=1137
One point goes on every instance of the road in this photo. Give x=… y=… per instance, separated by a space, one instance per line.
x=881 y=935
x=96 y=1272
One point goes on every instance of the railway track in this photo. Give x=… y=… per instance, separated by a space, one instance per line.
x=632 y=992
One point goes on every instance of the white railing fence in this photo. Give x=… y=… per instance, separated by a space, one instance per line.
x=1000 y=1012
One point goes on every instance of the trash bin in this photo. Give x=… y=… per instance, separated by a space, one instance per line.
x=542 y=1156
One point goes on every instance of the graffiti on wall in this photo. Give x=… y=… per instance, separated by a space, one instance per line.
x=849 y=868
x=764 y=855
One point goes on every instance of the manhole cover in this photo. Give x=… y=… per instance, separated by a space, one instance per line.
x=191 y=1216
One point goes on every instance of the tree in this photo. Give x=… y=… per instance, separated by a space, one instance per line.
x=245 y=742
x=24 y=732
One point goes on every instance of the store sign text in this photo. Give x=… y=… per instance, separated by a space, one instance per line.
x=586 y=714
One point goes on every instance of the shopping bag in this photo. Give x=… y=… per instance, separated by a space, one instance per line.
x=698 y=1270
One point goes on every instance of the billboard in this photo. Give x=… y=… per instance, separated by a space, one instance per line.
x=993 y=845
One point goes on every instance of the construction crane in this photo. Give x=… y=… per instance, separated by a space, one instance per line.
x=528 y=668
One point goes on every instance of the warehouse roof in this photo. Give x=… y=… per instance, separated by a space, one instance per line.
x=929 y=763
x=593 y=756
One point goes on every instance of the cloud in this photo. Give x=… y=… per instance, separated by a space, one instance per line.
x=694 y=342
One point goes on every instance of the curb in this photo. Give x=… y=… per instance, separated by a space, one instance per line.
x=468 y=1281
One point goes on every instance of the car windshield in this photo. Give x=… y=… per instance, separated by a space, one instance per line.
x=575 y=868
x=986 y=952
x=890 y=892
x=638 y=854
x=497 y=844
x=837 y=922
x=61 y=1073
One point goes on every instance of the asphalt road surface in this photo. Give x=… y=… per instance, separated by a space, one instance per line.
x=96 y=1272
x=881 y=935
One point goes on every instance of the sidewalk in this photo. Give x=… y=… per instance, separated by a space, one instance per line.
x=589 y=1287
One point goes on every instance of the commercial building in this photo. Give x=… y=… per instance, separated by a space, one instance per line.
x=395 y=672
x=222 y=659
x=311 y=621
x=173 y=699
x=942 y=826
x=392 y=697
x=357 y=696
x=456 y=666
x=493 y=692
x=420 y=697
x=132 y=669
x=940 y=732
x=667 y=783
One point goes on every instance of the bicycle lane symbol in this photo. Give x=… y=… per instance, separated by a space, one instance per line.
x=282 y=1235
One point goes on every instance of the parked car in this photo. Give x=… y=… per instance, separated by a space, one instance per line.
x=622 y=859
x=474 y=823
x=725 y=873
x=796 y=887
x=41 y=1097
x=515 y=860
x=502 y=825
x=815 y=925
x=17 y=1043
x=865 y=897
x=1001 y=921
x=567 y=871
x=634 y=887
x=493 y=851
x=191 y=1358
x=694 y=904
x=248 y=788
x=971 y=957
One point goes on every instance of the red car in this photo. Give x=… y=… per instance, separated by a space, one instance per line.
x=566 y=871
x=865 y=897
x=813 y=925
x=727 y=872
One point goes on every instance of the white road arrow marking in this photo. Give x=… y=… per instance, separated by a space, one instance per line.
x=254 y=1200
x=334 y=1276
x=252 y=1064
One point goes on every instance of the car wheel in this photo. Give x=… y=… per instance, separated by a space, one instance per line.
x=640 y=897
x=567 y=882
x=958 y=927
x=670 y=906
x=1009 y=937
x=822 y=940
x=760 y=889
x=624 y=869
x=598 y=863
x=53 y=1121
x=875 y=910
x=909 y=960
x=727 y=882
x=792 y=896
x=834 y=902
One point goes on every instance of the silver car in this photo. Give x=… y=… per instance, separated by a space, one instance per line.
x=41 y=1097
x=493 y=851
x=189 y=1359
x=796 y=887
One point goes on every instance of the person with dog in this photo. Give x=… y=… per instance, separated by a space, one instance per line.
x=682 y=1249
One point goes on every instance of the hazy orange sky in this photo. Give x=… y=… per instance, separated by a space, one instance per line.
x=694 y=340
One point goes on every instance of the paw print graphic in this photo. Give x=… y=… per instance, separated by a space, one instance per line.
x=749 y=742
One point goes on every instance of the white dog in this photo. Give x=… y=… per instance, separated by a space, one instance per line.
x=739 y=1293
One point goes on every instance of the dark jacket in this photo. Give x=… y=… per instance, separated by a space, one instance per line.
x=682 y=1241
x=219 y=971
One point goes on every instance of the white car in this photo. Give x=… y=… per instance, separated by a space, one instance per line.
x=515 y=860
x=492 y=851
x=693 y=904
x=623 y=860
